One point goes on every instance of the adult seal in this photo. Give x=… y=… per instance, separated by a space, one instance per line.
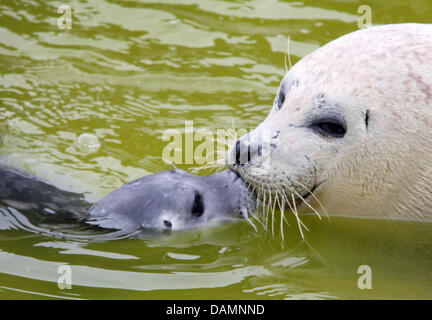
x=350 y=129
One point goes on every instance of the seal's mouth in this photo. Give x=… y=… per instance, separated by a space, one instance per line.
x=258 y=188
x=268 y=196
x=237 y=176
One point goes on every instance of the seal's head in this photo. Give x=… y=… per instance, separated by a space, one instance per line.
x=173 y=200
x=351 y=128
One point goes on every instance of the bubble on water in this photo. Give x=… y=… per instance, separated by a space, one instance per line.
x=88 y=143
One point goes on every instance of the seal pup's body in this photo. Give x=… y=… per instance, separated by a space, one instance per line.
x=167 y=200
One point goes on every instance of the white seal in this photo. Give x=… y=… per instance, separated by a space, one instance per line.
x=350 y=129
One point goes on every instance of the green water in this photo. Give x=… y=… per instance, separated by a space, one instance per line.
x=128 y=70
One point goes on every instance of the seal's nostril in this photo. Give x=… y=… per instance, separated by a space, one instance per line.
x=242 y=152
x=245 y=150
x=167 y=224
x=237 y=159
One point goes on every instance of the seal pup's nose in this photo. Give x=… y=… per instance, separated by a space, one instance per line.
x=167 y=224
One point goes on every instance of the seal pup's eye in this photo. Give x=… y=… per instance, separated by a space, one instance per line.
x=330 y=128
x=198 y=205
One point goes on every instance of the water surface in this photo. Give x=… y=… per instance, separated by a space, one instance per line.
x=129 y=70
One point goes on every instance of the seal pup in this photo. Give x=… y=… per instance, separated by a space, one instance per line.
x=350 y=129
x=174 y=200
x=168 y=200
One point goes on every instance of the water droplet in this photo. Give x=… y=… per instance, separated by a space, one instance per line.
x=174 y=21
x=88 y=143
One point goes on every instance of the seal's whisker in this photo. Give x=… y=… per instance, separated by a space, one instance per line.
x=258 y=219
x=255 y=216
x=218 y=154
x=246 y=215
x=296 y=215
x=282 y=210
x=257 y=201
x=269 y=207
x=288 y=55
x=252 y=193
x=267 y=197
x=267 y=201
x=284 y=199
x=294 y=209
x=263 y=205
x=213 y=166
x=314 y=196
x=307 y=204
x=167 y=160
x=217 y=164
x=303 y=199
x=274 y=208
x=233 y=132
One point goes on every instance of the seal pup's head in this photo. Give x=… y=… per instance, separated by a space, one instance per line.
x=350 y=129
x=174 y=200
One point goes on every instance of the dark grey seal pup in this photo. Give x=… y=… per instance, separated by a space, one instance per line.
x=168 y=200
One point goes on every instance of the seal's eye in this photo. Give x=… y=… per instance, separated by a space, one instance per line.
x=198 y=205
x=280 y=99
x=330 y=128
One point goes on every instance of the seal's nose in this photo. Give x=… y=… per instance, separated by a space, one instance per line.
x=255 y=144
x=243 y=151
x=167 y=224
